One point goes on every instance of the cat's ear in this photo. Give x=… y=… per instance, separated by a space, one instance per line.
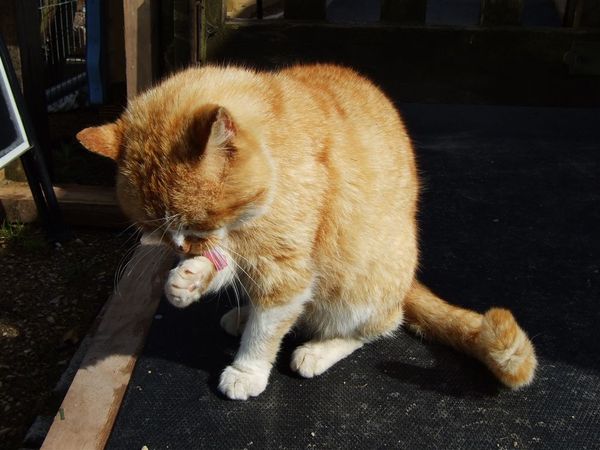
x=223 y=128
x=104 y=140
x=212 y=126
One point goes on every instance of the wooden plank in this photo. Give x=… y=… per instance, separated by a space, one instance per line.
x=80 y=205
x=505 y=65
x=115 y=43
x=195 y=34
x=89 y=409
x=404 y=11
x=177 y=35
x=183 y=25
x=249 y=9
x=501 y=12
x=304 y=9
x=141 y=44
x=211 y=20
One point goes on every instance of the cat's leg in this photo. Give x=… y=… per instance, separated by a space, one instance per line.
x=315 y=357
x=342 y=329
x=234 y=321
x=194 y=277
x=266 y=326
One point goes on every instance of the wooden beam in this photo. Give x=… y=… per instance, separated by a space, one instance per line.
x=211 y=20
x=304 y=9
x=404 y=11
x=501 y=12
x=94 y=206
x=141 y=44
x=182 y=33
x=88 y=411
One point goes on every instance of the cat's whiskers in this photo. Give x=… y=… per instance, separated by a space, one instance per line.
x=135 y=235
x=236 y=280
x=126 y=263
x=122 y=266
x=166 y=218
x=140 y=258
x=168 y=225
x=238 y=266
x=163 y=250
x=235 y=274
x=237 y=297
x=228 y=250
x=131 y=225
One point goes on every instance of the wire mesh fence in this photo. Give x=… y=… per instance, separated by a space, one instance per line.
x=63 y=39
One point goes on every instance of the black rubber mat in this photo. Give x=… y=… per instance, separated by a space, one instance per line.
x=510 y=215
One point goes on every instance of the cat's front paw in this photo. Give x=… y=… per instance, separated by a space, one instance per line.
x=242 y=382
x=188 y=281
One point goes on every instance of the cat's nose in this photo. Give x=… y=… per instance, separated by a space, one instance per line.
x=184 y=247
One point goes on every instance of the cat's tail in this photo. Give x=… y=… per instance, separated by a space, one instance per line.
x=494 y=338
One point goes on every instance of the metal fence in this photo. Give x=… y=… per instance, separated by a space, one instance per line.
x=63 y=30
x=63 y=39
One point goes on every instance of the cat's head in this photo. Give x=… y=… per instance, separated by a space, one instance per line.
x=186 y=176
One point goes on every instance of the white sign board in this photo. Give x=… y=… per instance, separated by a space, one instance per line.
x=13 y=138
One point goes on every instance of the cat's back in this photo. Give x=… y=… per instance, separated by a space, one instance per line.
x=338 y=99
x=331 y=79
x=351 y=119
x=339 y=91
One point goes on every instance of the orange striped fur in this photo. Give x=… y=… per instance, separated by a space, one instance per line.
x=306 y=179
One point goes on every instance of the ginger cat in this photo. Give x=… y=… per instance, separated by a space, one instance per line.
x=301 y=186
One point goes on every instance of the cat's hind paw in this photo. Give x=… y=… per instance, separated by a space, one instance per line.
x=241 y=382
x=315 y=357
x=309 y=361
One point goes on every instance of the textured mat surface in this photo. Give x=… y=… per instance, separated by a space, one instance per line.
x=510 y=215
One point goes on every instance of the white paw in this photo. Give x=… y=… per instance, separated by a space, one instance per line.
x=188 y=281
x=241 y=382
x=310 y=361
x=234 y=321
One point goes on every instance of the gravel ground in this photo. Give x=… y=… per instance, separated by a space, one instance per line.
x=49 y=297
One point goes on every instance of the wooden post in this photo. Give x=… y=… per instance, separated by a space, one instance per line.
x=182 y=35
x=115 y=45
x=141 y=44
x=404 y=11
x=209 y=31
x=304 y=9
x=501 y=12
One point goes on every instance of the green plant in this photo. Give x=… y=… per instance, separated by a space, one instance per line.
x=10 y=231
x=18 y=236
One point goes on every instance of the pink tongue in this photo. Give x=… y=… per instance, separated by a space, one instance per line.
x=217 y=258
